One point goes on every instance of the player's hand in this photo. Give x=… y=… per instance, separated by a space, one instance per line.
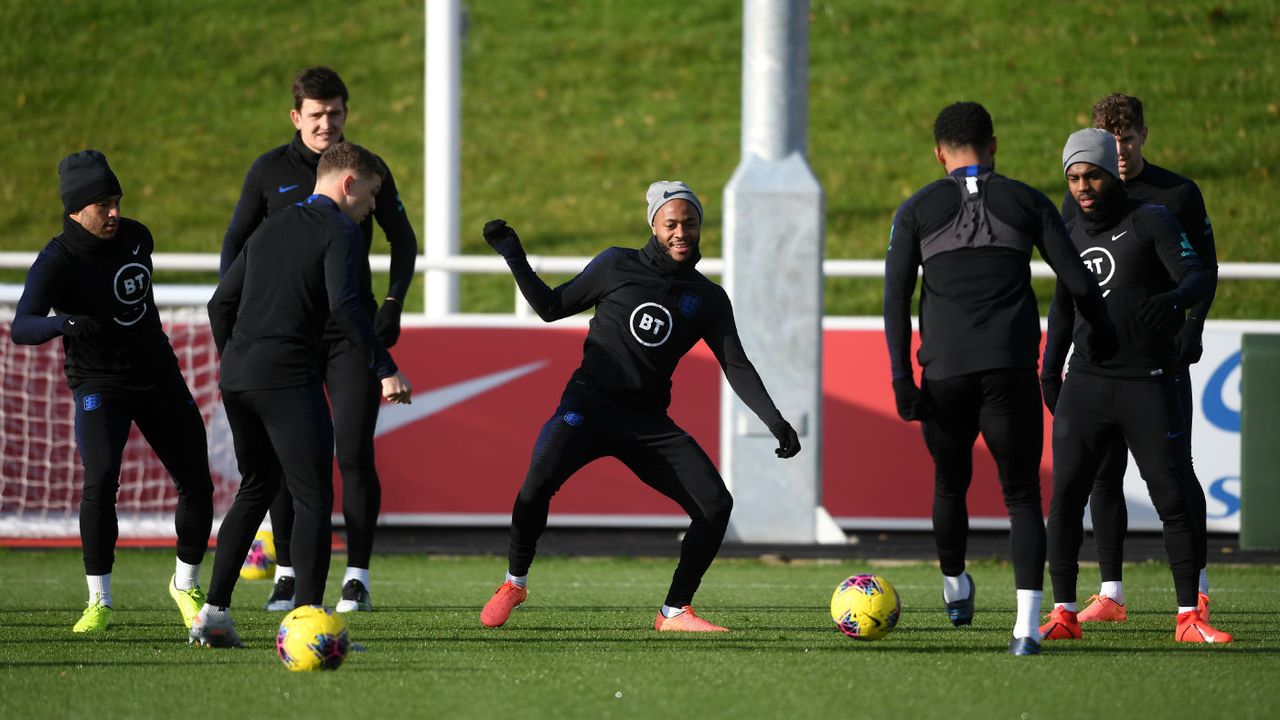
x=1190 y=341
x=1159 y=311
x=788 y=441
x=502 y=238
x=1103 y=343
x=81 y=327
x=912 y=404
x=386 y=324
x=397 y=389
x=1050 y=389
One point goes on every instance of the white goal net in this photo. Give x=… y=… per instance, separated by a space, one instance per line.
x=41 y=475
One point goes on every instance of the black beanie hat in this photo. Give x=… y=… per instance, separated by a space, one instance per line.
x=86 y=178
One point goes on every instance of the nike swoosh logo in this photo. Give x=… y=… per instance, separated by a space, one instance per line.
x=71 y=322
x=137 y=248
x=287 y=188
x=1117 y=237
x=426 y=404
x=1173 y=435
x=668 y=194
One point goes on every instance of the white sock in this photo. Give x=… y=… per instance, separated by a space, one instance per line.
x=1204 y=580
x=955 y=588
x=186 y=576
x=1028 y=623
x=283 y=571
x=1182 y=609
x=355 y=573
x=99 y=588
x=670 y=612
x=1066 y=606
x=209 y=611
x=520 y=581
x=1113 y=589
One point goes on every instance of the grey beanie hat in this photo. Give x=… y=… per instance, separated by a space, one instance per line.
x=85 y=178
x=664 y=191
x=1094 y=146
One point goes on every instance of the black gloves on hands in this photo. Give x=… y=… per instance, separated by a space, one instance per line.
x=911 y=402
x=502 y=238
x=386 y=324
x=1050 y=389
x=1160 y=311
x=1189 y=341
x=788 y=441
x=81 y=327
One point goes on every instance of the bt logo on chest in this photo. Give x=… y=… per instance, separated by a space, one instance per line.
x=650 y=324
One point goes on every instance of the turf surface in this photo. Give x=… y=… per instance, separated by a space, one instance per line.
x=582 y=646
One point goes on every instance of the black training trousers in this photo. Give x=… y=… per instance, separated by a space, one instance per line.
x=1092 y=412
x=355 y=393
x=168 y=418
x=1004 y=405
x=285 y=432
x=662 y=455
x=1107 y=502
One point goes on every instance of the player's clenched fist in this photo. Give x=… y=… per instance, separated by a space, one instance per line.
x=502 y=238
x=397 y=389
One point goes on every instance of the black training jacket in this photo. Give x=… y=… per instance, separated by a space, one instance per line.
x=650 y=311
x=78 y=273
x=269 y=312
x=973 y=232
x=286 y=176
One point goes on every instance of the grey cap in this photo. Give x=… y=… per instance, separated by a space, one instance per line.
x=664 y=191
x=1094 y=146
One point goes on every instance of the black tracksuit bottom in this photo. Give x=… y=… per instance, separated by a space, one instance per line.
x=1094 y=415
x=1004 y=405
x=279 y=433
x=1107 y=502
x=168 y=418
x=662 y=455
x=356 y=394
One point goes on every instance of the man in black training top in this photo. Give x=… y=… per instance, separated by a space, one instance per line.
x=652 y=306
x=973 y=233
x=96 y=277
x=283 y=177
x=1150 y=273
x=268 y=317
x=1121 y=115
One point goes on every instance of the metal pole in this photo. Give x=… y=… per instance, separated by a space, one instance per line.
x=442 y=117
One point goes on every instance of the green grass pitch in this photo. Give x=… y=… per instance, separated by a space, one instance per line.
x=583 y=646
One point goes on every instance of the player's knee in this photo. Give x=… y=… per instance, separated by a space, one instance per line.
x=717 y=511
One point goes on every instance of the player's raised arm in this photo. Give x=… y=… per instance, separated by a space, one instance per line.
x=577 y=295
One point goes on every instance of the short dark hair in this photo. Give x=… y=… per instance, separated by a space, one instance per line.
x=963 y=124
x=318 y=83
x=349 y=156
x=1116 y=113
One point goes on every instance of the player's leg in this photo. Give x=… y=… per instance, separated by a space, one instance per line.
x=172 y=425
x=355 y=394
x=1199 y=509
x=298 y=422
x=1012 y=424
x=570 y=439
x=949 y=435
x=1082 y=421
x=668 y=460
x=281 y=512
x=260 y=479
x=1110 y=517
x=102 y=425
x=1153 y=424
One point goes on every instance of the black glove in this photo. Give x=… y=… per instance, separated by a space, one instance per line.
x=81 y=327
x=1103 y=344
x=1159 y=311
x=1189 y=341
x=788 y=441
x=386 y=324
x=1050 y=389
x=502 y=238
x=911 y=402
